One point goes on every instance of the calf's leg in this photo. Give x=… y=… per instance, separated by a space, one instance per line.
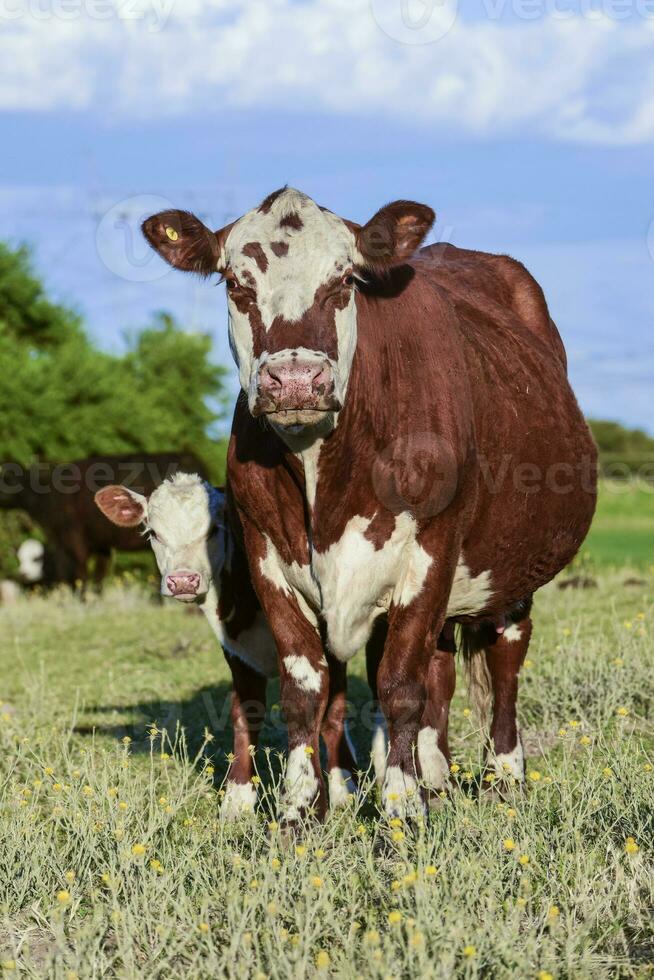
x=248 y=709
x=433 y=748
x=374 y=653
x=341 y=761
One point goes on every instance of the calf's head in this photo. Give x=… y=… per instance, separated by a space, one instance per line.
x=291 y=269
x=185 y=520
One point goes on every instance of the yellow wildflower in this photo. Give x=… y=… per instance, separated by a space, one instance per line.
x=138 y=850
x=204 y=927
x=322 y=959
x=469 y=952
x=431 y=870
x=534 y=775
x=585 y=740
x=524 y=859
x=63 y=896
x=631 y=847
x=394 y=918
x=509 y=844
x=316 y=881
x=622 y=712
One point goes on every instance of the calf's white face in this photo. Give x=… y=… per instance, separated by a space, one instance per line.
x=291 y=269
x=185 y=520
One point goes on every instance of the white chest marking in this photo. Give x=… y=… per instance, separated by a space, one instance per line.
x=358 y=581
x=353 y=582
x=293 y=579
x=470 y=594
x=254 y=646
x=513 y=633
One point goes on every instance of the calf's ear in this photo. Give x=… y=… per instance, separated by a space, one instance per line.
x=393 y=234
x=122 y=506
x=185 y=242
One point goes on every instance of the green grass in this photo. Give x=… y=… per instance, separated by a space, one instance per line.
x=236 y=900
x=623 y=529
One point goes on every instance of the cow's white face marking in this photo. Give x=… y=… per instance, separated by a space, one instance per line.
x=303 y=673
x=239 y=800
x=185 y=518
x=30 y=560
x=400 y=794
x=509 y=764
x=299 y=248
x=433 y=764
x=300 y=784
x=513 y=633
x=470 y=594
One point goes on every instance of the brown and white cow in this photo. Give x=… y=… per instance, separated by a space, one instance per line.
x=406 y=454
x=201 y=560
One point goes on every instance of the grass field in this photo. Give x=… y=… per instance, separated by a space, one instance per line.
x=623 y=529
x=113 y=861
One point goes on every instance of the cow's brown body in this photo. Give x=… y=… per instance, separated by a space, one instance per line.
x=61 y=500
x=460 y=348
x=424 y=463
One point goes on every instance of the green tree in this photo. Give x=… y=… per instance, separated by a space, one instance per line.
x=62 y=398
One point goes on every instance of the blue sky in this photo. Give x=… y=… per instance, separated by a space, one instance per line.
x=527 y=124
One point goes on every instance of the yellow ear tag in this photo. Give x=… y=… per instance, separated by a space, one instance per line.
x=172 y=234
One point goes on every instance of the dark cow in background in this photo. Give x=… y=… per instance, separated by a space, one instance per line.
x=424 y=463
x=60 y=499
x=201 y=560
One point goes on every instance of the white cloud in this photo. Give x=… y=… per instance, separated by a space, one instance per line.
x=577 y=78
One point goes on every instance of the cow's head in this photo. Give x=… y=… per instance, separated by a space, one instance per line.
x=185 y=519
x=291 y=270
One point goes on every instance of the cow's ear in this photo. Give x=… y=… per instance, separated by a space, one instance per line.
x=122 y=506
x=393 y=234
x=185 y=242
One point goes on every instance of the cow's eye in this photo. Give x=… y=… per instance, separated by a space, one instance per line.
x=348 y=279
x=231 y=283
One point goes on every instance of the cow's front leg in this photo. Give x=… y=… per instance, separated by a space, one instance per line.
x=433 y=748
x=247 y=711
x=341 y=761
x=304 y=682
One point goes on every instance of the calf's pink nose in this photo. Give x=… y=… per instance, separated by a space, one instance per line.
x=183 y=583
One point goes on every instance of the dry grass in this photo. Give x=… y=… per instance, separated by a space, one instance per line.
x=113 y=861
